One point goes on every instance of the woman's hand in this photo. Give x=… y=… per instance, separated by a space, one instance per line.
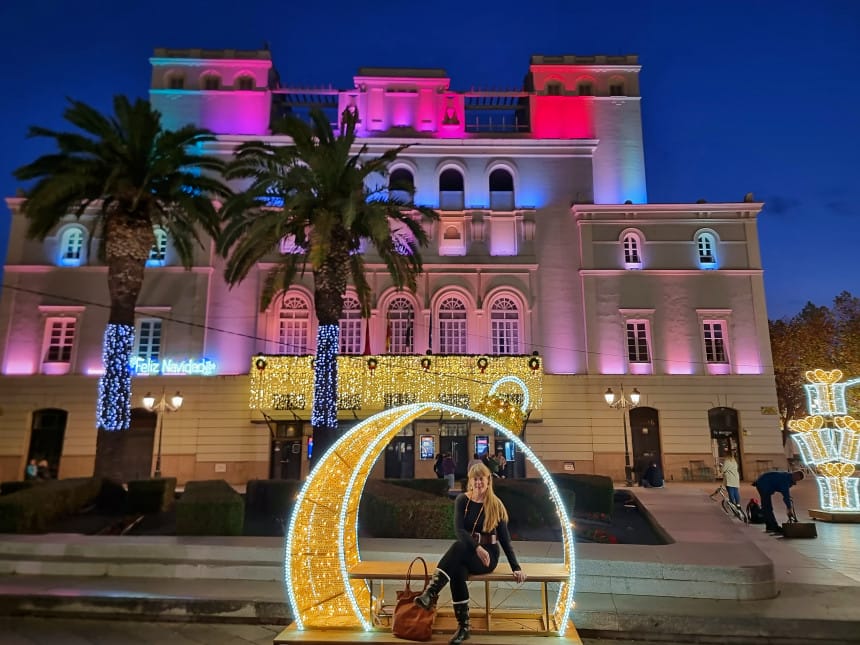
x=483 y=555
x=520 y=576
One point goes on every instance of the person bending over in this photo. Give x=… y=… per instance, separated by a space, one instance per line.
x=775 y=482
x=481 y=526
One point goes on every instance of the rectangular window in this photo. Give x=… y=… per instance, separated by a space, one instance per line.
x=60 y=338
x=506 y=334
x=715 y=341
x=350 y=334
x=402 y=336
x=148 y=339
x=293 y=336
x=637 y=341
x=452 y=336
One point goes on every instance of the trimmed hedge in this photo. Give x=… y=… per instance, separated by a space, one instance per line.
x=272 y=497
x=395 y=515
x=594 y=493
x=210 y=507
x=151 y=495
x=31 y=509
x=528 y=502
x=433 y=486
x=7 y=488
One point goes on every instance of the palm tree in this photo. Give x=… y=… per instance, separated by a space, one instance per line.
x=136 y=176
x=316 y=193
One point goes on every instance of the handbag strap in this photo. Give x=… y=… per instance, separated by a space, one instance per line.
x=409 y=573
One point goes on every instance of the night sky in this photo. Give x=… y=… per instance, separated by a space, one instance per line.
x=745 y=96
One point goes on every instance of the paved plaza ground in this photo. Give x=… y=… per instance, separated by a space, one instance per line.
x=801 y=591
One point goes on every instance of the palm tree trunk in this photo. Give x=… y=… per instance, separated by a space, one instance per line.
x=128 y=243
x=329 y=288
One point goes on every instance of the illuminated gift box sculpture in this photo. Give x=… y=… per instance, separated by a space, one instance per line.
x=832 y=449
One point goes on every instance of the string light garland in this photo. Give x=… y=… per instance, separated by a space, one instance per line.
x=316 y=567
x=831 y=449
x=113 y=411
x=288 y=379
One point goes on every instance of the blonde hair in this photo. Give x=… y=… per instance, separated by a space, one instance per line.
x=494 y=510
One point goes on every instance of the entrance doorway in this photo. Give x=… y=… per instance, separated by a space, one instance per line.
x=454 y=438
x=46 y=438
x=285 y=461
x=400 y=456
x=645 y=439
x=725 y=434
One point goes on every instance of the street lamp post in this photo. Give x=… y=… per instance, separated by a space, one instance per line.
x=161 y=407
x=623 y=403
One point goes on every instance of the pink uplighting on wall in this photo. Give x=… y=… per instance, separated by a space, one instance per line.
x=562 y=117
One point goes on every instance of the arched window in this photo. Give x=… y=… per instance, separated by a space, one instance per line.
x=554 y=88
x=451 y=233
x=245 y=83
x=158 y=253
x=350 y=327
x=632 y=245
x=400 y=327
x=176 y=81
x=451 y=190
x=211 y=81
x=452 y=326
x=616 y=86
x=585 y=88
x=505 y=326
x=706 y=245
x=72 y=246
x=501 y=190
x=401 y=185
x=293 y=326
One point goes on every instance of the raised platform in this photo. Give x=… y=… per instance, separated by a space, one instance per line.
x=441 y=634
x=839 y=517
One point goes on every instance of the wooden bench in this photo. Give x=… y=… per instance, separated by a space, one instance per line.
x=543 y=573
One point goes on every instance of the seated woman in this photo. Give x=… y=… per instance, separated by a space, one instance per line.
x=481 y=525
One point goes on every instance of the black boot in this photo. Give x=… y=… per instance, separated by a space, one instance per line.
x=431 y=593
x=461 y=611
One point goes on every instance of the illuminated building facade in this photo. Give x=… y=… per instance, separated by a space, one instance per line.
x=546 y=243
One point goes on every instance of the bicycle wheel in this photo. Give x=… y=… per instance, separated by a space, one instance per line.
x=740 y=513
x=727 y=507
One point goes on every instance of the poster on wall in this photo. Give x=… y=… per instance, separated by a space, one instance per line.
x=428 y=446
x=482 y=444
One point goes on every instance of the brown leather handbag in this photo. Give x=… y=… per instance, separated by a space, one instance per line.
x=411 y=621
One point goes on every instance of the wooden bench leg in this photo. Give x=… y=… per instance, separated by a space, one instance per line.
x=487 y=601
x=544 y=598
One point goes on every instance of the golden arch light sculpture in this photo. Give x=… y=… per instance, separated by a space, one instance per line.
x=831 y=447
x=322 y=538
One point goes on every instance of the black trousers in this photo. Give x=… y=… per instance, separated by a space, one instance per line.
x=767 y=509
x=459 y=561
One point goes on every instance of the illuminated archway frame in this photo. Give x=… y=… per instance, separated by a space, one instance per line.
x=322 y=540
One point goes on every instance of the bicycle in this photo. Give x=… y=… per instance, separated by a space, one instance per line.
x=729 y=507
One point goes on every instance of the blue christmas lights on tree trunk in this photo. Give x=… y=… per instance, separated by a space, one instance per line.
x=324 y=411
x=114 y=402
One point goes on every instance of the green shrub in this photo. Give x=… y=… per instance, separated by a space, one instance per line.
x=433 y=486
x=111 y=497
x=7 y=488
x=594 y=493
x=272 y=497
x=528 y=502
x=31 y=509
x=386 y=512
x=151 y=495
x=210 y=508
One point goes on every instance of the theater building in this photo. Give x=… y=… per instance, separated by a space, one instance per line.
x=548 y=262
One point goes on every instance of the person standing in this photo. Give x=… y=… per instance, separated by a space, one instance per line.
x=481 y=525
x=731 y=479
x=775 y=482
x=437 y=466
x=448 y=468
